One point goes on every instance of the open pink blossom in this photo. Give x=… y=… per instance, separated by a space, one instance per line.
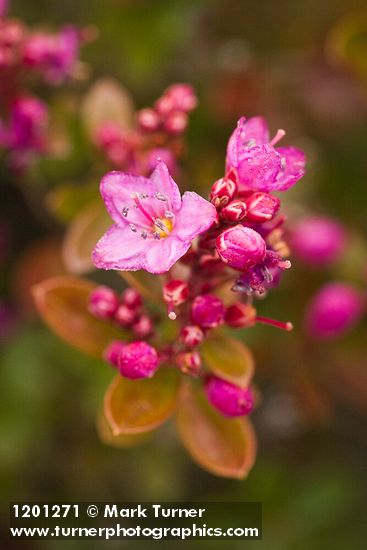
x=154 y=226
x=258 y=165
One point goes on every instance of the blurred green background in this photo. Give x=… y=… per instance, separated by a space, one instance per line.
x=303 y=66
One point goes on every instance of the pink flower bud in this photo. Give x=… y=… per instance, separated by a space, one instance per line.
x=143 y=327
x=240 y=315
x=138 y=360
x=189 y=362
x=318 y=240
x=176 y=123
x=207 y=311
x=103 y=302
x=262 y=207
x=125 y=316
x=182 y=96
x=113 y=352
x=222 y=191
x=148 y=120
x=234 y=212
x=241 y=247
x=131 y=298
x=164 y=105
x=192 y=335
x=334 y=309
x=229 y=399
x=175 y=292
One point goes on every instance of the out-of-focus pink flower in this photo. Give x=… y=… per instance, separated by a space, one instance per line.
x=318 y=240
x=153 y=227
x=229 y=399
x=3 y=8
x=258 y=164
x=27 y=125
x=207 y=311
x=138 y=360
x=54 y=55
x=12 y=34
x=241 y=247
x=335 y=308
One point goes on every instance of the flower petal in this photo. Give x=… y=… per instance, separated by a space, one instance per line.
x=117 y=188
x=162 y=254
x=248 y=133
x=293 y=167
x=258 y=168
x=120 y=248
x=195 y=216
x=163 y=183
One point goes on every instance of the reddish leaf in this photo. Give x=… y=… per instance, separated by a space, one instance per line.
x=82 y=235
x=124 y=441
x=138 y=406
x=63 y=304
x=228 y=358
x=224 y=447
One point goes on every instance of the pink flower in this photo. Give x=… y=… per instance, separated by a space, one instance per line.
x=229 y=399
x=334 y=309
x=55 y=55
x=154 y=226
x=318 y=240
x=259 y=165
x=27 y=124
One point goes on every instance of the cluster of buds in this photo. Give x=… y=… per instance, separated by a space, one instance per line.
x=157 y=134
x=51 y=56
x=125 y=311
x=235 y=241
x=170 y=112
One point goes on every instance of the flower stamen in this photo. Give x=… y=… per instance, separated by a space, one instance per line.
x=278 y=136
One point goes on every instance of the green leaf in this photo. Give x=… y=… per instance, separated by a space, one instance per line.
x=229 y=359
x=222 y=446
x=82 y=235
x=63 y=305
x=138 y=406
x=66 y=200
